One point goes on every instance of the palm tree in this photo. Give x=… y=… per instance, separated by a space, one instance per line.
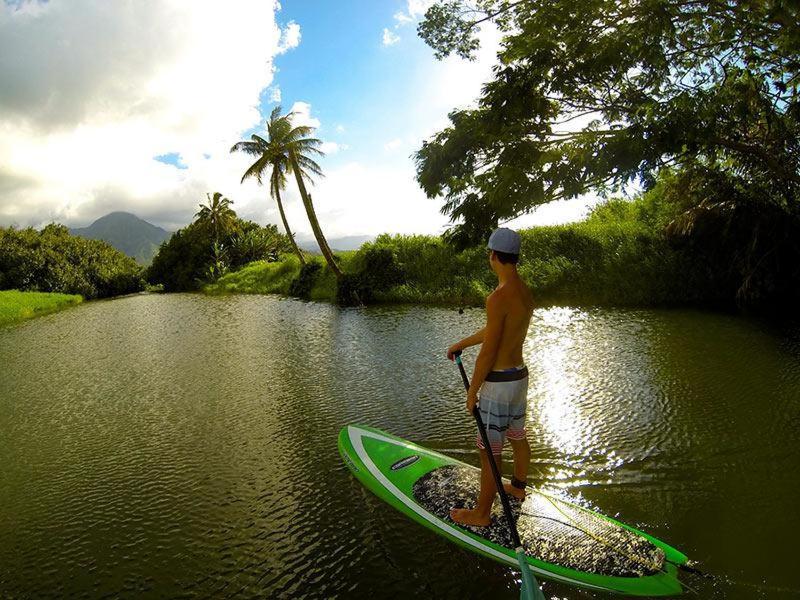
x=217 y=212
x=269 y=155
x=286 y=150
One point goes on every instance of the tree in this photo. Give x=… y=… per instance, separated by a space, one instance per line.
x=217 y=213
x=270 y=155
x=657 y=83
x=290 y=146
x=592 y=96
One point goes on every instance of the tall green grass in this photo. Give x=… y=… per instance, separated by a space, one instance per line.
x=17 y=306
x=592 y=262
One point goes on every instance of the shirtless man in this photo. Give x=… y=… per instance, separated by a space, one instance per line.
x=500 y=375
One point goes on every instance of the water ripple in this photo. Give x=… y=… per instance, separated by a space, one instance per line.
x=183 y=446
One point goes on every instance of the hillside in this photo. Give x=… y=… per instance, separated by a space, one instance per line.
x=128 y=233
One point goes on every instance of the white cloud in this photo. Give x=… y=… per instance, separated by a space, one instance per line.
x=290 y=38
x=389 y=38
x=332 y=147
x=393 y=145
x=275 y=94
x=415 y=11
x=402 y=18
x=366 y=199
x=302 y=115
x=96 y=90
x=340 y=128
x=556 y=213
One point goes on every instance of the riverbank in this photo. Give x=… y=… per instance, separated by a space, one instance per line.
x=18 y=306
x=594 y=262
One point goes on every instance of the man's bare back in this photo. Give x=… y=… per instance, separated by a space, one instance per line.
x=517 y=302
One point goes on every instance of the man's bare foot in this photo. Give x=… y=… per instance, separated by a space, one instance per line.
x=470 y=517
x=512 y=491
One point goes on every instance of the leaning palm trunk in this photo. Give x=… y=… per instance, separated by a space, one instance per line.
x=312 y=218
x=286 y=226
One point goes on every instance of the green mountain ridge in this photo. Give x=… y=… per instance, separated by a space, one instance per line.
x=127 y=233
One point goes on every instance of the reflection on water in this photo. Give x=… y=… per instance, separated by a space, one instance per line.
x=178 y=445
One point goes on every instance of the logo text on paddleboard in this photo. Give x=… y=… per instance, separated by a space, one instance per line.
x=404 y=462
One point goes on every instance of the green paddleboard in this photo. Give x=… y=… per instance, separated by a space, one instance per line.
x=564 y=541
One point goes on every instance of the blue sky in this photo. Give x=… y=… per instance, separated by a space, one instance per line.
x=380 y=101
x=148 y=129
x=342 y=68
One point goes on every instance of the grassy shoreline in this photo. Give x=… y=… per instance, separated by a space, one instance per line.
x=16 y=306
x=583 y=264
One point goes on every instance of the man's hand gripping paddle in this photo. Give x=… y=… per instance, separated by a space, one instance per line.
x=530 y=587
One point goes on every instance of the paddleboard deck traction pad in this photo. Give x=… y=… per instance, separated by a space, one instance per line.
x=550 y=529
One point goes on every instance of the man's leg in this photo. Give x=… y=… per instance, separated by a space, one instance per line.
x=480 y=516
x=522 y=458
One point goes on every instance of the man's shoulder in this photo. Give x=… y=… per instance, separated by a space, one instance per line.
x=510 y=294
x=497 y=298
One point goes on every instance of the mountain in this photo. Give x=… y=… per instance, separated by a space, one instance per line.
x=350 y=242
x=127 y=233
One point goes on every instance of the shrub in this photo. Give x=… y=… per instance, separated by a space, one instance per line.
x=302 y=284
x=52 y=260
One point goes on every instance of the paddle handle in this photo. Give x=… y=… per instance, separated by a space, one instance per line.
x=465 y=379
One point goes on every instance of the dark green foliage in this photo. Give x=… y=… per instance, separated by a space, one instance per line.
x=52 y=260
x=708 y=89
x=352 y=289
x=380 y=265
x=626 y=253
x=374 y=270
x=256 y=243
x=740 y=234
x=207 y=249
x=302 y=284
x=183 y=260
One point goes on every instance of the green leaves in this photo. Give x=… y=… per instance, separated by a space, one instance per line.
x=52 y=260
x=665 y=82
x=199 y=253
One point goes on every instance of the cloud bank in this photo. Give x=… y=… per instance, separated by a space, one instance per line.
x=92 y=91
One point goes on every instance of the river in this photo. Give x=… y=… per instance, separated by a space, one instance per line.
x=185 y=446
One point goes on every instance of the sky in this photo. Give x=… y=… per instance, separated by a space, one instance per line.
x=133 y=106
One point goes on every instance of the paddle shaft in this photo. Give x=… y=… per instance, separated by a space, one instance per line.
x=512 y=526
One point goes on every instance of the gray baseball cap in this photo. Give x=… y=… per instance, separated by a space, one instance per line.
x=504 y=240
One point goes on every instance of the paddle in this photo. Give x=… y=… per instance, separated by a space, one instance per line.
x=530 y=587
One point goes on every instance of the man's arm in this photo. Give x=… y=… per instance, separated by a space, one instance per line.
x=475 y=338
x=492 y=334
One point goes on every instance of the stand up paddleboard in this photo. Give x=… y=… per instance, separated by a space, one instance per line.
x=563 y=541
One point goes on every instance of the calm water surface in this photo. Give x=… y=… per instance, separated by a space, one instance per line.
x=185 y=446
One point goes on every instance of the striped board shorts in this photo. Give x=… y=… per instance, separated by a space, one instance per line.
x=503 y=400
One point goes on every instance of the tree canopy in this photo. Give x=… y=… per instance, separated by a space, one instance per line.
x=594 y=95
x=289 y=149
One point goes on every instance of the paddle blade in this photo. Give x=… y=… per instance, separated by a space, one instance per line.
x=530 y=587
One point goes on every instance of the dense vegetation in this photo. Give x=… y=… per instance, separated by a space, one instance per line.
x=215 y=243
x=591 y=96
x=620 y=255
x=52 y=260
x=18 y=306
